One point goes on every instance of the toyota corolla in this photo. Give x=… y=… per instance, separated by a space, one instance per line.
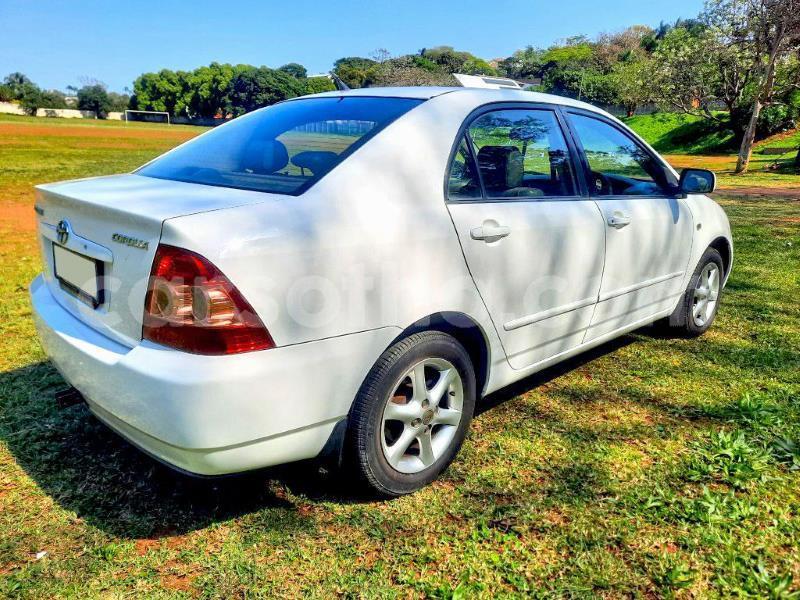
x=347 y=275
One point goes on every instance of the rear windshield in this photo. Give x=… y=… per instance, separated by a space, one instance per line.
x=283 y=149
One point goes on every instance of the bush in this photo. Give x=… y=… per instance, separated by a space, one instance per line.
x=774 y=119
x=6 y=93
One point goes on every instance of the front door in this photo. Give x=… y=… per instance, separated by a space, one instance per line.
x=534 y=247
x=648 y=229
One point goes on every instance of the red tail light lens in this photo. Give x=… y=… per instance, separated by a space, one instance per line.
x=190 y=305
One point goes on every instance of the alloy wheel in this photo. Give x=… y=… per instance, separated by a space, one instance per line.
x=706 y=294
x=421 y=415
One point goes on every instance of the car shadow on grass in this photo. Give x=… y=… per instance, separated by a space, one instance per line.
x=546 y=375
x=89 y=470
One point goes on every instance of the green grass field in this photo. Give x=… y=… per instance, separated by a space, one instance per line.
x=682 y=134
x=653 y=467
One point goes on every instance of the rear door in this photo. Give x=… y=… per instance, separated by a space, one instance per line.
x=648 y=228
x=534 y=246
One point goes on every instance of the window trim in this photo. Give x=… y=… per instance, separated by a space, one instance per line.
x=579 y=185
x=474 y=159
x=667 y=191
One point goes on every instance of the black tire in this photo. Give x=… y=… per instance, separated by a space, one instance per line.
x=682 y=321
x=364 y=457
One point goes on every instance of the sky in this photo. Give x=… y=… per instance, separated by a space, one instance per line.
x=61 y=43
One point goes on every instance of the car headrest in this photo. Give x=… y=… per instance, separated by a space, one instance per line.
x=316 y=161
x=501 y=166
x=264 y=156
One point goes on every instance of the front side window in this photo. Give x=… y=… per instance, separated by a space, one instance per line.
x=618 y=165
x=522 y=154
x=283 y=149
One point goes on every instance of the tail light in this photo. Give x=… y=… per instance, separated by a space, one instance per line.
x=190 y=305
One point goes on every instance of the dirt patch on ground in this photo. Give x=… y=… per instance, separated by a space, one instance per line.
x=17 y=216
x=704 y=161
x=26 y=130
x=15 y=193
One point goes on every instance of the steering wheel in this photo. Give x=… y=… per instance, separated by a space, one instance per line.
x=601 y=184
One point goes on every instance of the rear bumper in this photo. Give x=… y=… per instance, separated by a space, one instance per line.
x=210 y=415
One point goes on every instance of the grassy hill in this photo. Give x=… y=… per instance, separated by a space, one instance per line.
x=787 y=139
x=683 y=134
x=672 y=133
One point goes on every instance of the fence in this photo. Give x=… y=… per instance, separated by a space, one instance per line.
x=10 y=108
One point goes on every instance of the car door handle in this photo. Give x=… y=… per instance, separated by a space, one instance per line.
x=489 y=232
x=619 y=220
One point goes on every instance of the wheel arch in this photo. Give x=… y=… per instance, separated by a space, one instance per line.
x=723 y=246
x=466 y=331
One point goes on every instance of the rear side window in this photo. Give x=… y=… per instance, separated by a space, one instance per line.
x=463 y=183
x=283 y=149
x=522 y=153
x=618 y=164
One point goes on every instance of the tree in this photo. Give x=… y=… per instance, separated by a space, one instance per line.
x=19 y=83
x=632 y=83
x=775 y=31
x=118 y=102
x=315 y=85
x=30 y=97
x=94 y=98
x=405 y=71
x=380 y=55
x=685 y=78
x=767 y=32
x=623 y=46
x=355 y=71
x=295 y=70
x=572 y=70
x=166 y=91
x=6 y=93
x=207 y=90
x=53 y=99
x=448 y=59
x=256 y=87
x=523 y=64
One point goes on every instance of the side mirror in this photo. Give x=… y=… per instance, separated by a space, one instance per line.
x=697 y=181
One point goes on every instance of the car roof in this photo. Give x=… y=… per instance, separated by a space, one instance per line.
x=480 y=95
x=418 y=92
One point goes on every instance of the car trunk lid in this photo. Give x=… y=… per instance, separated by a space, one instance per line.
x=114 y=224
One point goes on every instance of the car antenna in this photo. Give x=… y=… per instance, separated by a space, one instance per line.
x=340 y=85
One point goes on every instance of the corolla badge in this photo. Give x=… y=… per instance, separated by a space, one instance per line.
x=62 y=231
x=130 y=241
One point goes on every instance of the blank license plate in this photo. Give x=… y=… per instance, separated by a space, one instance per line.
x=79 y=275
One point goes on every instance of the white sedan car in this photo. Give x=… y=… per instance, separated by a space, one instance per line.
x=346 y=275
